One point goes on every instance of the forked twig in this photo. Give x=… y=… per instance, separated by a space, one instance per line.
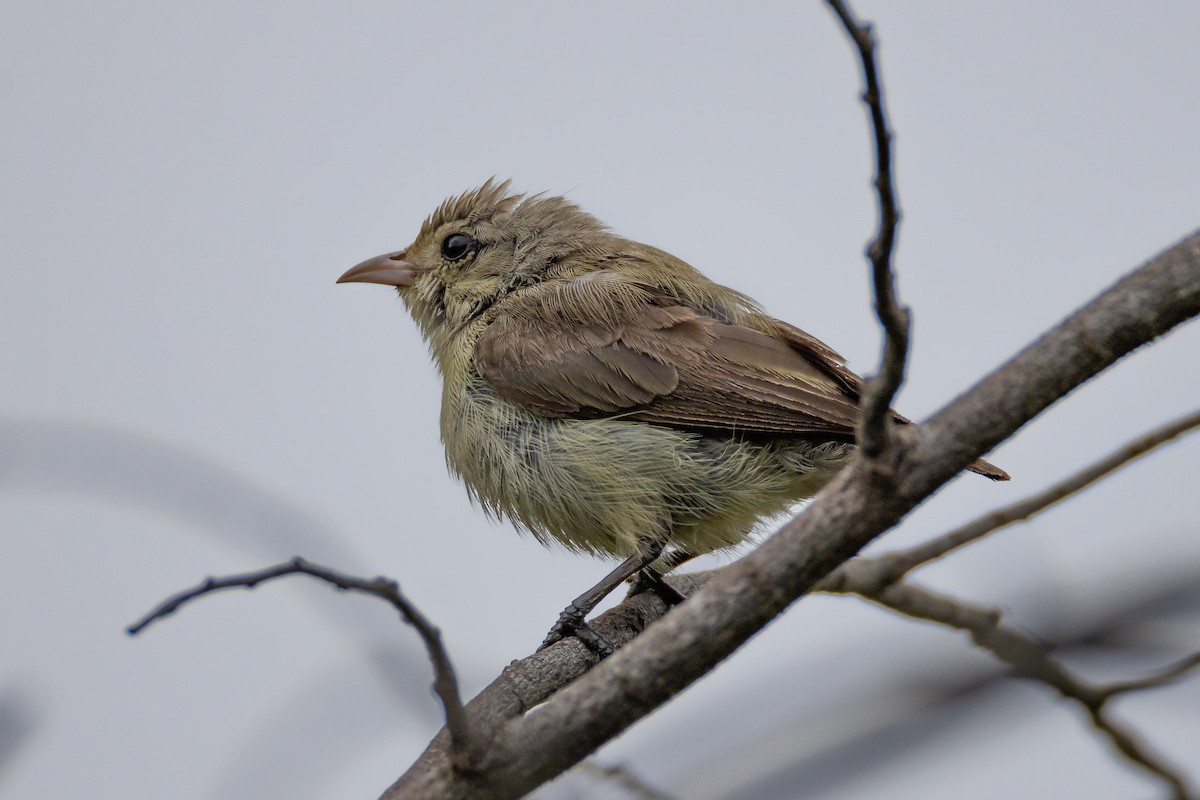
x=466 y=747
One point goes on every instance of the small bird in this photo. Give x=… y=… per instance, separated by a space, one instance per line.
x=603 y=394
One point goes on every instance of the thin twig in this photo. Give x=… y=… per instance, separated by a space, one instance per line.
x=1029 y=658
x=620 y=774
x=1163 y=677
x=465 y=746
x=897 y=564
x=874 y=435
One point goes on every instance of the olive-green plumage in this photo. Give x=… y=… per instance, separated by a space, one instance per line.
x=602 y=393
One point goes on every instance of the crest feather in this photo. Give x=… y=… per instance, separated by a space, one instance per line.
x=488 y=200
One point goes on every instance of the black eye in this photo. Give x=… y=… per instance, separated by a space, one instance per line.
x=457 y=245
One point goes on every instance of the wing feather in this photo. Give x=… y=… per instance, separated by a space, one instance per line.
x=600 y=345
x=649 y=357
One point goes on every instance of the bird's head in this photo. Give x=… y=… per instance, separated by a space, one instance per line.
x=480 y=246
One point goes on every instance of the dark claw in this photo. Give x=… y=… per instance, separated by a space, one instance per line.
x=553 y=637
x=594 y=641
x=571 y=622
x=649 y=582
x=568 y=622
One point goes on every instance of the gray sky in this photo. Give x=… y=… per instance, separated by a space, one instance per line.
x=189 y=393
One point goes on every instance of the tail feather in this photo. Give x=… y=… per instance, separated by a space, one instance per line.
x=989 y=470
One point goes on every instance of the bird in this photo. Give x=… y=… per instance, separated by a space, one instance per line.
x=604 y=395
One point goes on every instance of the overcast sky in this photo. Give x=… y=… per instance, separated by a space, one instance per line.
x=187 y=392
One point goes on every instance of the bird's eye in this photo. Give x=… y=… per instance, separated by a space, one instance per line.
x=456 y=246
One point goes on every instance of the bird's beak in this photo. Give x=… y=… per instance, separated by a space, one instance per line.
x=390 y=269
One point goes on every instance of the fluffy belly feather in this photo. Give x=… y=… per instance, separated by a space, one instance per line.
x=602 y=485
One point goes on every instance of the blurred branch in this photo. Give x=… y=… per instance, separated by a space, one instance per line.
x=918 y=705
x=620 y=775
x=466 y=748
x=874 y=434
x=1030 y=658
x=19 y=718
x=1161 y=678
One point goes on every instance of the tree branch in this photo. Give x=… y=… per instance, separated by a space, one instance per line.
x=874 y=432
x=466 y=747
x=620 y=775
x=1163 y=677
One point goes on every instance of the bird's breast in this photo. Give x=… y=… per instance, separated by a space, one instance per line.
x=592 y=485
x=601 y=485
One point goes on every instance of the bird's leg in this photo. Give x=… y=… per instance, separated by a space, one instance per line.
x=573 y=618
x=651 y=580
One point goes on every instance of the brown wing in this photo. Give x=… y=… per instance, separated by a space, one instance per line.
x=598 y=346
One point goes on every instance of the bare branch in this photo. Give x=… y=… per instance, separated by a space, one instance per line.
x=466 y=749
x=890 y=567
x=620 y=775
x=1161 y=678
x=874 y=435
x=1029 y=658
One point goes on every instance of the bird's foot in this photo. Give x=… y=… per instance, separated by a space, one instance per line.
x=572 y=622
x=647 y=581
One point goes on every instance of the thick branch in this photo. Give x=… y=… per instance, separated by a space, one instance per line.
x=465 y=745
x=874 y=432
x=745 y=596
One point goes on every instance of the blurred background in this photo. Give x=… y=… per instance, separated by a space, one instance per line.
x=186 y=392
